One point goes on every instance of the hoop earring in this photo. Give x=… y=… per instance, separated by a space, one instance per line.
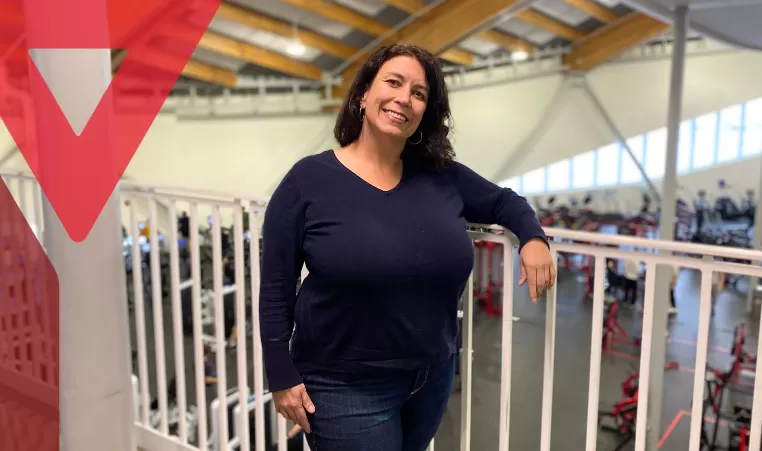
x=419 y=139
x=362 y=114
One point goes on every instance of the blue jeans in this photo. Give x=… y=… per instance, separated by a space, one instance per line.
x=383 y=410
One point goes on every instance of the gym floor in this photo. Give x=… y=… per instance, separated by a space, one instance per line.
x=571 y=368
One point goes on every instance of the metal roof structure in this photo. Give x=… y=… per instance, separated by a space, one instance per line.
x=311 y=39
x=258 y=47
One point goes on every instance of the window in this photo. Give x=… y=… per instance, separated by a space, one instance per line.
x=656 y=153
x=583 y=170
x=729 y=144
x=558 y=176
x=706 y=136
x=630 y=172
x=533 y=181
x=608 y=165
x=752 y=135
x=684 y=146
x=513 y=183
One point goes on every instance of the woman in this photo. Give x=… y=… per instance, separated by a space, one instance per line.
x=381 y=224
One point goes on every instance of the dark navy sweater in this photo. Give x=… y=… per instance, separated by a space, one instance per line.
x=386 y=268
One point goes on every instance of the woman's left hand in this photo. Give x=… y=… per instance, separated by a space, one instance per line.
x=537 y=268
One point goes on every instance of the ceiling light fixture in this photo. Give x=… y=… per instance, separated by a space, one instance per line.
x=296 y=48
x=519 y=55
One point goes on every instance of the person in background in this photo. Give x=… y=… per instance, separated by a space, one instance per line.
x=675 y=275
x=210 y=373
x=614 y=279
x=364 y=356
x=183 y=225
x=630 y=280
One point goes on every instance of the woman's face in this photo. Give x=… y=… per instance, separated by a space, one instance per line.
x=396 y=100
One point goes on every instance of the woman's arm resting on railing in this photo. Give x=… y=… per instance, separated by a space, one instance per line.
x=488 y=203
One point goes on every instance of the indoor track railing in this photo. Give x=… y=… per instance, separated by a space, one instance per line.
x=169 y=422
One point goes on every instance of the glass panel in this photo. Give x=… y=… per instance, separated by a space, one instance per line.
x=706 y=135
x=608 y=165
x=558 y=176
x=630 y=172
x=730 y=134
x=533 y=181
x=583 y=170
x=656 y=153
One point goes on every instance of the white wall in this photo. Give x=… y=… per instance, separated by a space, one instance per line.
x=252 y=155
x=635 y=95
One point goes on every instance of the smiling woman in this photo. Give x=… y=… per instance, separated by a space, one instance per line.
x=363 y=357
x=415 y=74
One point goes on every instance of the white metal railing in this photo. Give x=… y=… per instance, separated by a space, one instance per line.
x=167 y=426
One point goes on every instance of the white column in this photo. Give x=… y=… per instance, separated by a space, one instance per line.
x=666 y=228
x=756 y=244
x=95 y=367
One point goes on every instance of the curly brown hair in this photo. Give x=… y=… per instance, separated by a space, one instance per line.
x=435 y=146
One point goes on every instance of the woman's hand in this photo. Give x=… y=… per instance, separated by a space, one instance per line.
x=537 y=268
x=292 y=402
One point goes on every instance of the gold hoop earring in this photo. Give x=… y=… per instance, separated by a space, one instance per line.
x=419 y=139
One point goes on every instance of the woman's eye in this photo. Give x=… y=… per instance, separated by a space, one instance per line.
x=420 y=95
x=393 y=82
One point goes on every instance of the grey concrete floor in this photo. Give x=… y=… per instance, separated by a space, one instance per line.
x=572 y=361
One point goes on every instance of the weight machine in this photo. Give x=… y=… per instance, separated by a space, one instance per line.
x=486 y=293
x=719 y=384
x=208 y=311
x=173 y=412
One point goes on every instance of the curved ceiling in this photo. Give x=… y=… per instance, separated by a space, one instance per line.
x=735 y=22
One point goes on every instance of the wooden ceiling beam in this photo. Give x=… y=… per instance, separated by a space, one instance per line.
x=261 y=57
x=609 y=42
x=510 y=43
x=440 y=29
x=259 y=21
x=505 y=41
x=211 y=74
x=351 y=18
x=546 y=23
x=451 y=22
x=165 y=61
x=593 y=9
x=250 y=53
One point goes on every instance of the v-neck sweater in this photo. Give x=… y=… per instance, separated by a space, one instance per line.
x=386 y=268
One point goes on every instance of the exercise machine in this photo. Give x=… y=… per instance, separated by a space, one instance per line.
x=720 y=388
x=173 y=411
x=613 y=332
x=622 y=417
x=208 y=311
x=488 y=286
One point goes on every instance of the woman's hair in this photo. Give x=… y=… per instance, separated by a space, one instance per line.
x=435 y=147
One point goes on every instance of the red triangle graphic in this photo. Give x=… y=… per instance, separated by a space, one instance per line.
x=79 y=173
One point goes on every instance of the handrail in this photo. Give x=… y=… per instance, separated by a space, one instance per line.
x=140 y=188
x=663 y=245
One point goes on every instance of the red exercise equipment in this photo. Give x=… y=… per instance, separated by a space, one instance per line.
x=614 y=333
x=488 y=294
x=625 y=411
